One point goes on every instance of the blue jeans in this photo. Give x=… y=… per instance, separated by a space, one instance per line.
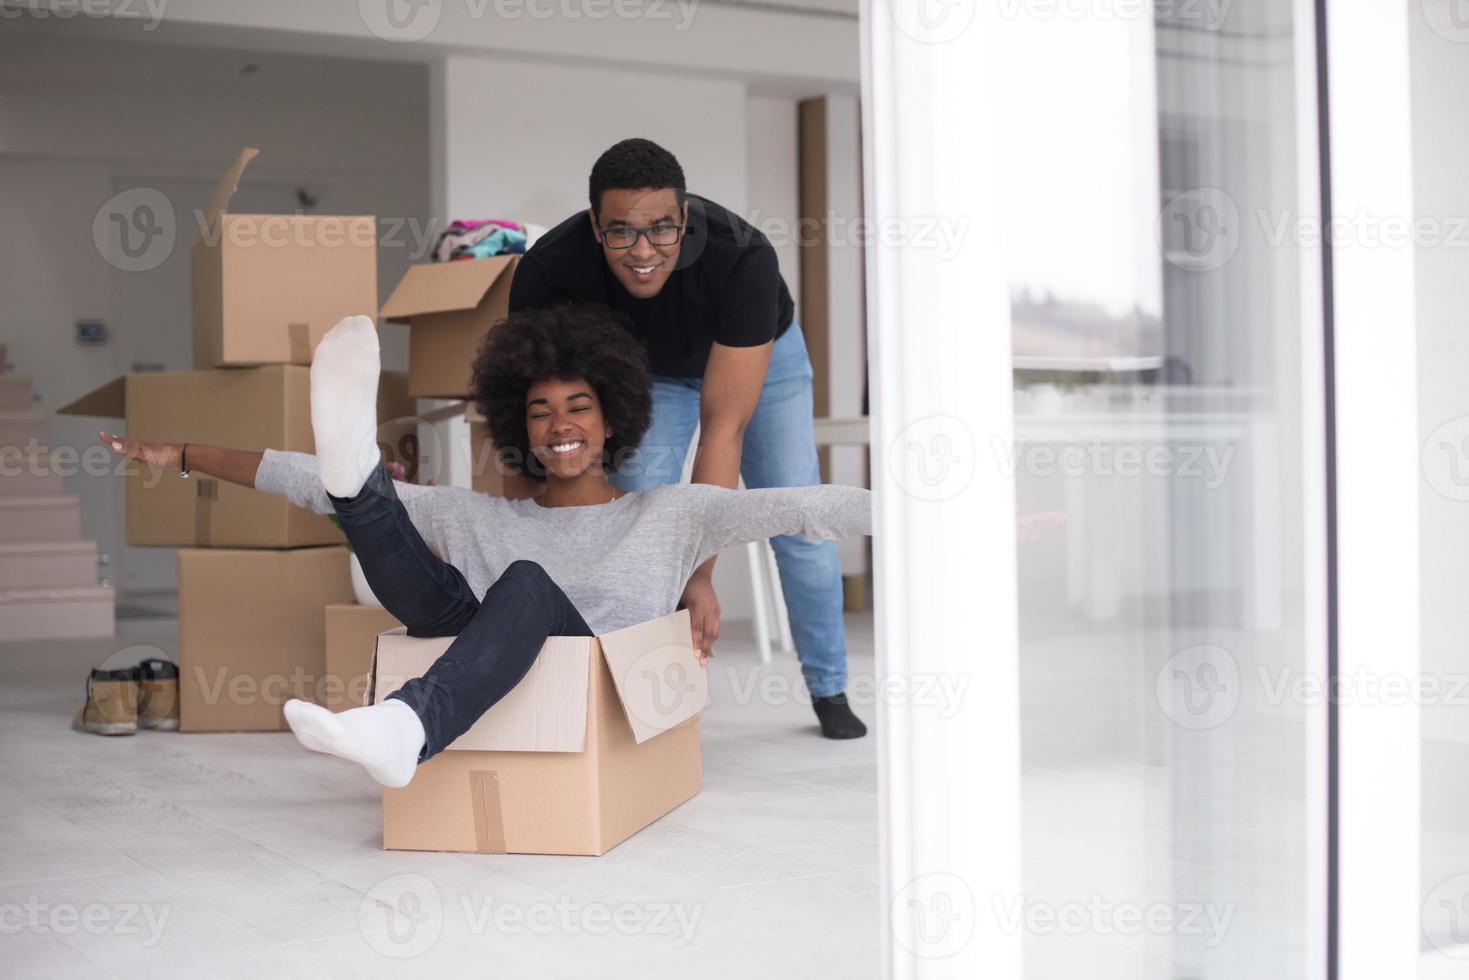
x=779 y=451
x=497 y=636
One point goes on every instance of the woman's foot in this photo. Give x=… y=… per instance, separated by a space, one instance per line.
x=344 y=374
x=384 y=738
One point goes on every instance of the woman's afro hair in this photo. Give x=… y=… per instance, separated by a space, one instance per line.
x=580 y=340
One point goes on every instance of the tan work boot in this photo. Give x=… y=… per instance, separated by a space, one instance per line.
x=112 y=703
x=158 y=695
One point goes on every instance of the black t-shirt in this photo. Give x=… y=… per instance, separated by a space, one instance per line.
x=726 y=287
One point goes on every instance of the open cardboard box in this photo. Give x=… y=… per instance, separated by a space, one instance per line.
x=267 y=287
x=251 y=408
x=598 y=740
x=449 y=307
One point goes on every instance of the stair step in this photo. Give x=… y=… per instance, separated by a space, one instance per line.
x=57 y=517
x=22 y=428
x=48 y=565
x=15 y=391
x=54 y=614
x=28 y=473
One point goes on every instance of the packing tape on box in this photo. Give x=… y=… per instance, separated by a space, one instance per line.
x=300 y=340
x=206 y=492
x=489 y=820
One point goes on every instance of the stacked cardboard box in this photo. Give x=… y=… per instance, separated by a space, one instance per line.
x=254 y=571
x=48 y=573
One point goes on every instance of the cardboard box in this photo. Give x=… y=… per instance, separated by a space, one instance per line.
x=600 y=739
x=54 y=614
x=449 y=307
x=251 y=635
x=55 y=517
x=48 y=565
x=251 y=408
x=351 y=635
x=267 y=287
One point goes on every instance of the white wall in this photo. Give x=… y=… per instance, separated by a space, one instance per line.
x=81 y=120
x=517 y=139
x=1441 y=189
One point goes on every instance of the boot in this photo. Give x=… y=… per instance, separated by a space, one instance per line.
x=111 y=707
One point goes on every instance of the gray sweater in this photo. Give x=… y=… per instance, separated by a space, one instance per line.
x=620 y=563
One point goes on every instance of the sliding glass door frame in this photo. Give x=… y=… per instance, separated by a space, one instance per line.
x=944 y=552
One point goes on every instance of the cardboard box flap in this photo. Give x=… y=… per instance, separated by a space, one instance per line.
x=108 y=401
x=545 y=712
x=444 y=287
x=656 y=673
x=225 y=189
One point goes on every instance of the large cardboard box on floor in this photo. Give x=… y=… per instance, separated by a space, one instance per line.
x=251 y=635
x=241 y=408
x=351 y=636
x=267 y=287
x=449 y=307
x=598 y=740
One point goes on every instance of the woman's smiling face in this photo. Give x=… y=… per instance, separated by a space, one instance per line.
x=564 y=422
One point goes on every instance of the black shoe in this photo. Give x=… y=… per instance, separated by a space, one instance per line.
x=837 y=720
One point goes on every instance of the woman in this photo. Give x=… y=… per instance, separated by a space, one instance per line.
x=567 y=390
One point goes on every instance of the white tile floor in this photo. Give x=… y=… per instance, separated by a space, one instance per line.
x=242 y=855
x=167 y=854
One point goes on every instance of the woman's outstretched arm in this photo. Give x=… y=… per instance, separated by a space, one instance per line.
x=232 y=465
x=730 y=517
x=294 y=476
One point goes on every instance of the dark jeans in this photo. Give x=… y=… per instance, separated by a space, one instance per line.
x=496 y=638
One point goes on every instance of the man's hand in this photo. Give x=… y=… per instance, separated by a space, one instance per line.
x=703 y=606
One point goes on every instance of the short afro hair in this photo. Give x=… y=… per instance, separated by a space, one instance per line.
x=573 y=340
x=633 y=165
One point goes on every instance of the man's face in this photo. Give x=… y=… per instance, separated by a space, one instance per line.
x=644 y=267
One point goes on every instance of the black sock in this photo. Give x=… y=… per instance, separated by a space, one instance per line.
x=837 y=720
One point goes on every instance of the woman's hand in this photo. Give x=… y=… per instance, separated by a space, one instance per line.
x=703 y=606
x=155 y=455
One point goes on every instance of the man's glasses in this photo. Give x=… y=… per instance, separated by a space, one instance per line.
x=660 y=235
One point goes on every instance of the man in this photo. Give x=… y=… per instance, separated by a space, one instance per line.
x=702 y=290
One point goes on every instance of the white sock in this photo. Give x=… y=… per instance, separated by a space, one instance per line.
x=344 y=373
x=383 y=738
